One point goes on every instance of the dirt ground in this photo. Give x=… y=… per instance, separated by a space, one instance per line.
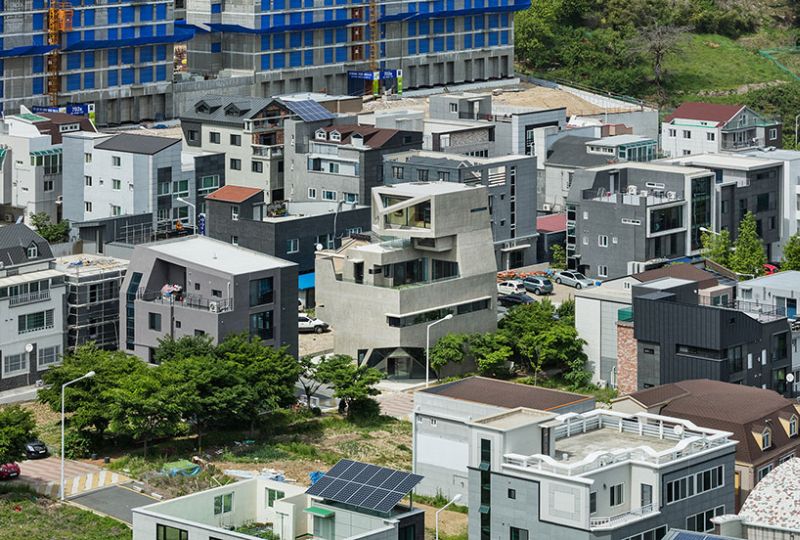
x=450 y=523
x=315 y=343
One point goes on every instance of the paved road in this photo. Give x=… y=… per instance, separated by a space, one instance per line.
x=115 y=501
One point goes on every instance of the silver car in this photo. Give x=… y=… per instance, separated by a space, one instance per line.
x=573 y=279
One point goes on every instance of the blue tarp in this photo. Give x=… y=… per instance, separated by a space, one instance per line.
x=30 y=50
x=519 y=6
x=179 y=35
x=238 y=29
x=305 y=281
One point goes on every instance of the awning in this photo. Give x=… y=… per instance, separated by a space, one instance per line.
x=319 y=512
x=50 y=152
x=305 y=281
x=515 y=248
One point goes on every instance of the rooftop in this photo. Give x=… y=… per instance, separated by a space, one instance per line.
x=681 y=271
x=421 y=189
x=89 y=264
x=551 y=223
x=788 y=279
x=137 y=144
x=217 y=255
x=371 y=136
x=774 y=502
x=727 y=161
x=513 y=419
x=300 y=210
x=233 y=194
x=655 y=167
x=709 y=112
x=506 y=394
x=571 y=151
x=619 y=140
x=667 y=283
x=448 y=160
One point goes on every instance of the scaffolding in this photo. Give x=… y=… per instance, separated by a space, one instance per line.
x=59 y=20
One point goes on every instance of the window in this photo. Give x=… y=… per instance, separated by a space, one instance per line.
x=785 y=458
x=260 y=291
x=116 y=161
x=593 y=502
x=702 y=522
x=766 y=439
x=773 y=134
x=236 y=140
x=444 y=176
x=293 y=245
x=48 y=185
x=397 y=172
x=164 y=532
x=602 y=240
x=274 y=495
x=512 y=493
x=422 y=175
x=617 y=495
x=213 y=137
x=235 y=240
x=261 y=325
x=602 y=270
x=257 y=166
x=87 y=206
x=328 y=195
x=762 y=472
x=687 y=152
x=711 y=137
x=33 y=251
x=350 y=197
x=14 y=364
x=47 y=356
x=208 y=183
x=673 y=133
x=687 y=134
x=193 y=135
x=236 y=164
x=116 y=210
x=223 y=503
x=793 y=426
x=216 y=293
x=695 y=484
x=235 y=212
x=652 y=534
x=180 y=188
x=333 y=168
x=519 y=534
x=486 y=451
x=32 y=322
x=454 y=107
x=87 y=181
x=312 y=193
x=87 y=158
x=116 y=185
x=154 y=321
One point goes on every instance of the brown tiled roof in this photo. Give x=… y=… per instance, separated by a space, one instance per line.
x=681 y=271
x=50 y=127
x=708 y=112
x=233 y=194
x=728 y=407
x=373 y=137
x=506 y=394
x=551 y=223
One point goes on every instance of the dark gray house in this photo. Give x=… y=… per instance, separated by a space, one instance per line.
x=199 y=286
x=510 y=180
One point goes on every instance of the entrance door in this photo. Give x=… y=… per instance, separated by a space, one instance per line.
x=399 y=367
x=791 y=308
x=647 y=495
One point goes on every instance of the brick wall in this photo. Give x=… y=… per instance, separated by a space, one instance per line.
x=627 y=361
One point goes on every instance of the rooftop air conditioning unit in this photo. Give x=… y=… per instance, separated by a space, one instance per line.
x=213 y=307
x=631 y=190
x=643 y=193
x=546 y=207
x=671 y=195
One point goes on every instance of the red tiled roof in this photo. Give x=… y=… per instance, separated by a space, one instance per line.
x=551 y=223
x=233 y=194
x=708 y=112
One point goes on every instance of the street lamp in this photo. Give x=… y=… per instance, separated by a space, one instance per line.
x=796 y=119
x=709 y=231
x=194 y=212
x=64 y=387
x=454 y=499
x=428 y=347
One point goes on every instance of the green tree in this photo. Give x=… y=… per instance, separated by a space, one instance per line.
x=717 y=247
x=560 y=346
x=450 y=349
x=491 y=353
x=748 y=256
x=309 y=379
x=52 y=232
x=144 y=406
x=530 y=318
x=791 y=253
x=566 y=312
x=559 y=256
x=170 y=348
x=527 y=346
x=350 y=382
x=17 y=427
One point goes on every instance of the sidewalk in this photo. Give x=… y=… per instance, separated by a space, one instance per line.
x=18 y=395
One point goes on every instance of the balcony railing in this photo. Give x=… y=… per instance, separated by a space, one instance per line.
x=29 y=298
x=194 y=301
x=613 y=522
x=267 y=152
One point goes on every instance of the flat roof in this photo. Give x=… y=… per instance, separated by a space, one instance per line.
x=137 y=144
x=89 y=264
x=788 y=279
x=606 y=293
x=727 y=161
x=217 y=255
x=513 y=419
x=653 y=166
x=617 y=140
x=578 y=446
x=420 y=189
x=506 y=394
x=424 y=155
x=303 y=209
x=666 y=283
x=29 y=276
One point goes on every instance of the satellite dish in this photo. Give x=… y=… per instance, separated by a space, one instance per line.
x=318 y=247
x=790 y=377
x=29 y=348
x=678 y=429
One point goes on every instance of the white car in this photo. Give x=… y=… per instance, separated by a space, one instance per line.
x=573 y=279
x=513 y=286
x=310 y=324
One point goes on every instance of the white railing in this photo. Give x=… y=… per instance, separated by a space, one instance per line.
x=268 y=152
x=612 y=522
x=29 y=298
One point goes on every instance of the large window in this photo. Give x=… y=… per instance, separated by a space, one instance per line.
x=695 y=484
x=700 y=209
x=617 y=495
x=702 y=522
x=165 y=532
x=260 y=291
x=154 y=321
x=444 y=269
x=208 y=183
x=653 y=534
x=666 y=219
x=418 y=216
x=48 y=356
x=762 y=472
x=35 y=321
x=261 y=325
x=223 y=503
x=518 y=534
x=15 y=364
x=274 y=495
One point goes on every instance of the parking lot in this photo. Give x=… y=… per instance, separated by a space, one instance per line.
x=114 y=501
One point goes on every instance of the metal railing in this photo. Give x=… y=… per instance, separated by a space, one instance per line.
x=194 y=301
x=267 y=152
x=29 y=298
x=621 y=519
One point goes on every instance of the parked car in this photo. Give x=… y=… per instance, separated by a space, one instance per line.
x=538 y=285
x=310 y=324
x=515 y=299
x=9 y=471
x=770 y=269
x=573 y=279
x=513 y=286
x=36 y=449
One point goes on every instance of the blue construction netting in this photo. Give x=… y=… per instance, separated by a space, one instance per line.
x=454 y=12
x=177 y=37
x=30 y=50
x=238 y=29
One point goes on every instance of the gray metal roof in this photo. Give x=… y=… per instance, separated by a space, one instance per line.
x=14 y=242
x=234 y=110
x=570 y=151
x=789 y=279
x=137 y=144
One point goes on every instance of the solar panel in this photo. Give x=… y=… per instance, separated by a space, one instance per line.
x=308 y=110
x=688 y=535
x=364 y=485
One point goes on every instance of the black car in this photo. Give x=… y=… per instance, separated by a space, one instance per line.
x=36 y=450
x=510 y=300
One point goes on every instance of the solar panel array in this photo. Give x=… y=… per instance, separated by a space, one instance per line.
x=687 y=535
x=308 y=110
x=364 y=485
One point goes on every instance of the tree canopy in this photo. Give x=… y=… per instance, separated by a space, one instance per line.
x=791 y=253
x=52 y=232
x=17 y=427
x=748 y=257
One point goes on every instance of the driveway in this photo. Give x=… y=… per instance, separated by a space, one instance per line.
x=115 y=501
x=43 y=476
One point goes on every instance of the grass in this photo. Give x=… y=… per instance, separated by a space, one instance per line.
x=24 y=515
x=601 y=395
x=438 y=501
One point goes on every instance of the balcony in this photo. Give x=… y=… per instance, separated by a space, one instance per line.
x=267 y=152
x=192 y=301
x=649 y=197
x=29 y=298
x=258 y=125
x=619 y=520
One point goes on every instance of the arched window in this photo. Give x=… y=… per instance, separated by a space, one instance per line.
x=766 y=438
x=33 y=251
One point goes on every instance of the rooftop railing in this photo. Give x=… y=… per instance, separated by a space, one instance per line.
x=618 y=520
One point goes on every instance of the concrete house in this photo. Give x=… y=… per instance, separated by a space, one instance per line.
x=622 y=216
x=429 y=255
x=199 y=286
x=710 y=128
x=441 y=423
x=595 y=475
x=31 y=308
x=32 y=160
x=765 y=423
x=510 y=180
